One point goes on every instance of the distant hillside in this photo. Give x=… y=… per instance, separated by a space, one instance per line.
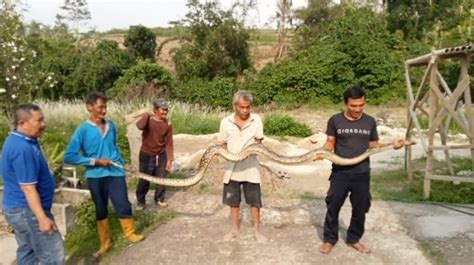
x=263 y=45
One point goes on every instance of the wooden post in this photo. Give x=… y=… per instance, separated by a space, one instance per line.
x=468 y=103
x=444 y=142
x=443 y=106
x=431 y=130
x=408 y=148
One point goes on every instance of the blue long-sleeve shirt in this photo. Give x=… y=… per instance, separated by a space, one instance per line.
x=88 y=144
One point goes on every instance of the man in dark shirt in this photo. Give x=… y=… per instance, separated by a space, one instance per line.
x=349 y=134
x=156 y=152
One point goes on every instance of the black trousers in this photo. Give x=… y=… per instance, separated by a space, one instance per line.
x=342 y=184
x=114 y=188
x=155 y=166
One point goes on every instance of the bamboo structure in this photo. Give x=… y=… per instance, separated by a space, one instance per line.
x=434 y=100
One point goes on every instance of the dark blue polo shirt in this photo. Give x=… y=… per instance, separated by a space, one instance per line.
x=23 y=163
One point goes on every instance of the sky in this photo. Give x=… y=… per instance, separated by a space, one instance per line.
x=120 y=14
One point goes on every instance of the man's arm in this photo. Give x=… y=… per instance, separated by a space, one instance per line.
x=169 y=149
x=328 y=146
x=222 y=136
x=330 y=143
x=397 y=144
x=259 y=135
x=73 y=156
x=34 y=202
x=143 y=121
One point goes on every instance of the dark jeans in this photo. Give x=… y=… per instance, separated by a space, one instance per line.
x=149 y=165
x=114 y=188
x=34 y=246
x=342 y=183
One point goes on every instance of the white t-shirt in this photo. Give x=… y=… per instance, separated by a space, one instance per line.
x=237 y=139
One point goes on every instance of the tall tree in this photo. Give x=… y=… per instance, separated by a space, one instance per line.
x=141 y=42
x=284 y=16
x=313 y=22
x=241 y=10
x=216 y=43
x=74 y=14
x=417 y=18
x=18 y=80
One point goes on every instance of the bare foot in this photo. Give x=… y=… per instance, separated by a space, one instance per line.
x=231 y=235
x=260 y=238
x=361 y=248
x=326 y=247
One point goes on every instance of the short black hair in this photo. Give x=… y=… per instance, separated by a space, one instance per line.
x=94 y=96
x=353 y=92
x=22 y=112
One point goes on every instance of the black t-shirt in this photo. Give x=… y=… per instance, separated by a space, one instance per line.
x=352 y=139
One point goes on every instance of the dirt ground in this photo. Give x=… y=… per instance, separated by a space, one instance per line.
x=294 y=230
x=293 y=215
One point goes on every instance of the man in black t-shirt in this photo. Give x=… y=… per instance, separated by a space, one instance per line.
x=349 y=134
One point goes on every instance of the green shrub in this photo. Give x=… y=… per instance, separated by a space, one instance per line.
x=122 y=141
x=141 y=42
x=79 y=71
x=194 y=120
x=284 y=125
x=357 y=49
x=85 y=214
x=143 y=80
x=218 y=92
x=4 y=130
x=216 y=43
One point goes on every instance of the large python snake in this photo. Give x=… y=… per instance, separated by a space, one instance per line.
x=258 y=149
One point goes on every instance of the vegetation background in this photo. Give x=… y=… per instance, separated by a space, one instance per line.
x=315 y=53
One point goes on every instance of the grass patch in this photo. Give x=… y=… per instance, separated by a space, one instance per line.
x=204 y=188
x=132 y=183
x=324 y=104
x=434 y=256
x=283 y=125
x=177 y=175
x=159 y=31
x=63 y=117
x=83 y=241
x=453 y=126
x=394 y=185
x=194 y=119
x=263 y=36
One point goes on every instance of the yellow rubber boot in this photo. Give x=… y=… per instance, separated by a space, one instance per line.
x=104 y=235
x=128 y=228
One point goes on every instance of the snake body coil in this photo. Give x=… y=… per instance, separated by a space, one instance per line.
x=258 y=149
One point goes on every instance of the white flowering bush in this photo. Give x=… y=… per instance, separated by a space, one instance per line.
x=18 y=81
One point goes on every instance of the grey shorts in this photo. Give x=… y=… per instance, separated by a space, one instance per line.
x=232 y=194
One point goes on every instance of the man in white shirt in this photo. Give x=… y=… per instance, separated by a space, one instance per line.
x=236 y=132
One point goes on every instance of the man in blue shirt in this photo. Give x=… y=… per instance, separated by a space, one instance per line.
x=29 y=190
x=94 y=146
